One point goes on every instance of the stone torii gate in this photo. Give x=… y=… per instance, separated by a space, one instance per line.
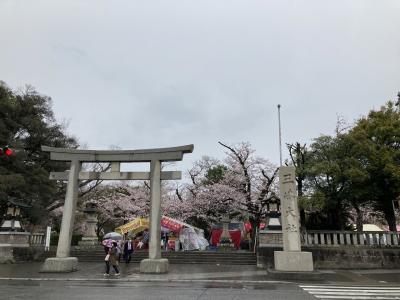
x=154 y=264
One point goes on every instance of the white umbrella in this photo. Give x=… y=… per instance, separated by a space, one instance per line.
x=113 y=236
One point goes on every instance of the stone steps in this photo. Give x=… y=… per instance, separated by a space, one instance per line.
x=194 y=257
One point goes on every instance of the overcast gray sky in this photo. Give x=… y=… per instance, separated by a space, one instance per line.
x=159 y=73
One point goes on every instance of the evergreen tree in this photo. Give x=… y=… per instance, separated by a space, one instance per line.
x=378 y=145
x=26 y=123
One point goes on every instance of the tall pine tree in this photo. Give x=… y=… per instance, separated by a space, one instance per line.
x=26 y=123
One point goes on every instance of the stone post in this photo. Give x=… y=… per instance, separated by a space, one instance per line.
x=289 y=210
x=62 y=262
x=225 y=227
x=225 y=240
x=155 y=264
x=291 y=258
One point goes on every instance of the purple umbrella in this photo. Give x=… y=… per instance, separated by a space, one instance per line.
x=108 y=243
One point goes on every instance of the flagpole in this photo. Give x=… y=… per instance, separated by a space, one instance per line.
x=280 y=135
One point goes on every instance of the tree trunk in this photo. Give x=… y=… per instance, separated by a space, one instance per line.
x=339 y=215
x=302 y=211
x=334 y=220
x=359 y=221
x=390 y=216
x=254 y=226
x=302 y=218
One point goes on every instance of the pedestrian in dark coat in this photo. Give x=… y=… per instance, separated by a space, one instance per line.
x=128 y=250
x=112 y=259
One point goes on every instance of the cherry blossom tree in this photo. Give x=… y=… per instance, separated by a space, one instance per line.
x=254 y=178
x=203 y=202
x=244 y=186
x=118 y=204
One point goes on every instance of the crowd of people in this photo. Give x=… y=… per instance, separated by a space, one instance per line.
x=188 y=240
x=123 y=249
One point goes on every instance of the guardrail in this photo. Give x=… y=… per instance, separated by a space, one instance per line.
x=350 y=238
x=37 y=239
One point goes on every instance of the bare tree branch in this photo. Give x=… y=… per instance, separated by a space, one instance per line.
x=178 y=194
x=247 y=186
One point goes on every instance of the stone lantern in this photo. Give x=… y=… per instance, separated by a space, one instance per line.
x=90 y=237
x=273 y=216
x=225 y=241
x=12 y=235
x=12 y=217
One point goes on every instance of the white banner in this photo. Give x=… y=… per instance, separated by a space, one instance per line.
x=48 y=234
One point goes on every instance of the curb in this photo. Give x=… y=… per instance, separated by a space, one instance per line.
x=147 y=280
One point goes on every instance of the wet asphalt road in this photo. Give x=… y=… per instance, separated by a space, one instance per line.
x=114 y=289
x=24 y=282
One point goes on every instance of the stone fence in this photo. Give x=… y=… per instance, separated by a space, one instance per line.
x=338 y=249
x=351 y=238
x=322 y=238
x=37 y=239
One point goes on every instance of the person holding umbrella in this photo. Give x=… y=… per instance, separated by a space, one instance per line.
x=111 y=237
x=112 y=258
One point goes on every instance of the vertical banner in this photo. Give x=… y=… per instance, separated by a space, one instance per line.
x=48 y=234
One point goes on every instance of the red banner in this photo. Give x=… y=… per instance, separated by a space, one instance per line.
x=171 y=224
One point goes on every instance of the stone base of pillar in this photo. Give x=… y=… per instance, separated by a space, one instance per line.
x=60 y=265
x=156 y=266
x=293 y=261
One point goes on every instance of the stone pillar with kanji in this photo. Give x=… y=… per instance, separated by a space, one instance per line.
x=291 y=259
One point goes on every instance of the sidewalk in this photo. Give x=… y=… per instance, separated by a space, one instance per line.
x=193 y=273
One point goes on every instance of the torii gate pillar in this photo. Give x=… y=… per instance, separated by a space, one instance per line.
x=62 y=262
x=155 y=264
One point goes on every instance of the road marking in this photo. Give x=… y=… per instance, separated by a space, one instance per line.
x=352 y=292
x=351 y=287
